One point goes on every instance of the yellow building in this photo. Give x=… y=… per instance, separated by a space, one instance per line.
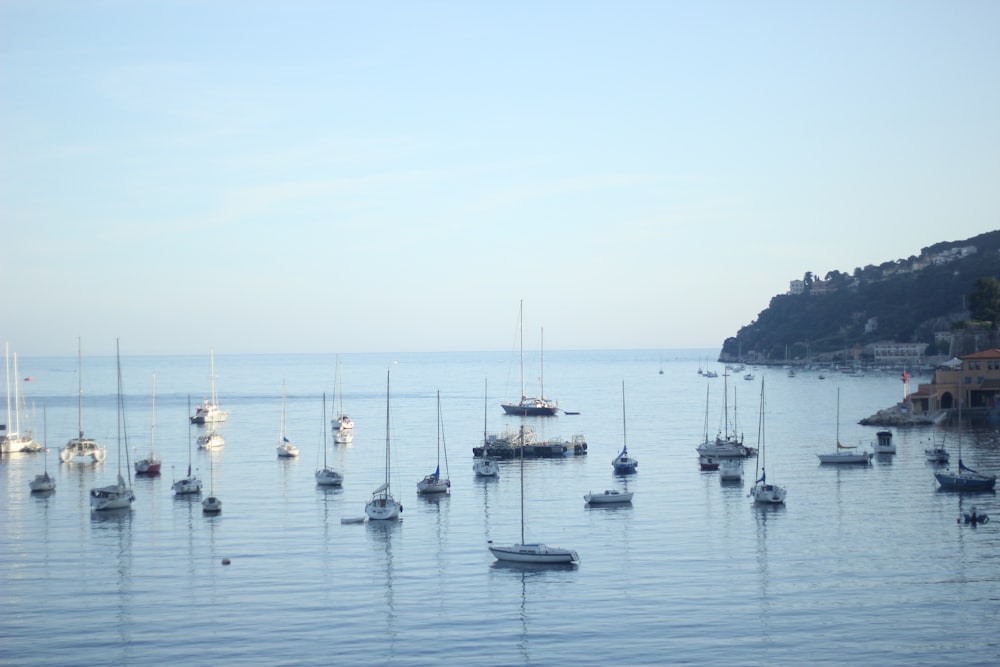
x=975 y=378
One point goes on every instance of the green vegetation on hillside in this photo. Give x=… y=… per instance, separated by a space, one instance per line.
x=904 y=301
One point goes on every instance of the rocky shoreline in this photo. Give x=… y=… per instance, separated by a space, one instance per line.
x=900 y=415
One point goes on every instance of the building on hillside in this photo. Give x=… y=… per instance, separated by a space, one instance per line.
x=898 y=353
x=974 y=378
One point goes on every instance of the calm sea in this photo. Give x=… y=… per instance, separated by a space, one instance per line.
x=863 y=565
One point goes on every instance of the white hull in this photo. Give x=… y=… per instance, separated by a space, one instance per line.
x=19 y=443
x=209 y=413
x=43 y=482
x=82 y=448
x=211 y=505
x=608 y=497
x=383 y=508
x=731 y=470
x=114 y=497
x=431 y=484
x=329 y=477
x=486 y=468
x=344 y=436
x=533 y=553
x=211 y=440
x=768 y=494
x=187 y=485
x=287 y=451
x=844 y=457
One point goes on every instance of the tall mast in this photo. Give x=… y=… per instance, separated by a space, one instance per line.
x=520 y=320
x=79 y=375
x=387 y=429
x=522 y=483
x=541 y=379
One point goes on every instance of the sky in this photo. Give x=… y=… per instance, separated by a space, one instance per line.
x=282 y=177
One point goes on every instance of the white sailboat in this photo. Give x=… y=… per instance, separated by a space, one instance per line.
x=81 y=447
x=343 y=426
x=212 y=504
x=327 y=476
x=151 y=464
x=484 y=466
x=434 y=483
x=610 y=496
x=382 y=505
x=120 y=495
x=45 y=481
x=531 y=553
x=844 y=453
x=286 y=449
x=624 y=464
x=189 y=484
x=16 y=440
x=761 y=491
x=209 y=411
x=730 y=469
x=530 y=406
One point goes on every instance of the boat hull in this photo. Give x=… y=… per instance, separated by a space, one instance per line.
x=383 y=508
x=111 y=498
x=211 y=505
x=845 y=458
x=82 y=448
x=287 y=451
x=486 y=468
x=609 y=497
x=148 y=467
x=961 y=482
x=533 y=553
x=187 y=486
x=329 y=477
x=435 y=485
x=43 y=482
x=768 y=494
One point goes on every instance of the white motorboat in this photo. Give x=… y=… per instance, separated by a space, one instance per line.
x=327 y=476
x=120 y=495
x=81 y=447
x=883 y=443
x=382 y=506
x=209 y=411
x=435 y=483
x=762 y=492
x=609 y=496
x=211 y=440
x=730 y=469
x=189 y=484
x=531 y=553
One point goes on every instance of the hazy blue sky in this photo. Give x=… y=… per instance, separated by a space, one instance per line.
x=395 y=176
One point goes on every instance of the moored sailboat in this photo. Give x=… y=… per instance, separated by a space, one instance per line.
x=81 y=447
x=120 y=495
x=327 y=476
x=531 y=553
x=484 y=465
x=845 y=453
x=44 y=481
x=189 y=484
x=530 y=406
x=285 y=448
x=434 y=483
x=383 y=506
x=343 y=426
x=761 y=491
x=151 y=464
x=209 y=412
x=624 y=464
x=965 y=479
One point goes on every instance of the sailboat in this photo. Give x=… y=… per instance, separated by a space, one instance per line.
x=844 y=453
x=966 y=479
x=327 y=476
x=120 y=495
x=212 y=504
x=343 y=425
x=209 y=411
x=151 y=464
x=189 y=484
x=16 y=440
x=728 y=444
x=382 y=505
x=45 y=481
x=82 y=447
x=434 y=483
x=530 y=406
x=483 y=465
x=936 y=453
x=761 y=491
x=285 y=448
x=530 y=553
x=623 y=463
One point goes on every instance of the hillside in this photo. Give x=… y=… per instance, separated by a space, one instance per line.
x=904 y=300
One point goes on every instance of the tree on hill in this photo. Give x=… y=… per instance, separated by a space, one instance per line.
x=984 y=303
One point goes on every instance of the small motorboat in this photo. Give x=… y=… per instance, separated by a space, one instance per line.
x=609 y=496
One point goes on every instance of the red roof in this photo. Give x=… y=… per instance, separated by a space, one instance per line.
x=985 y=354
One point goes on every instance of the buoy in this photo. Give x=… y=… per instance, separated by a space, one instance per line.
x=225 y=561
